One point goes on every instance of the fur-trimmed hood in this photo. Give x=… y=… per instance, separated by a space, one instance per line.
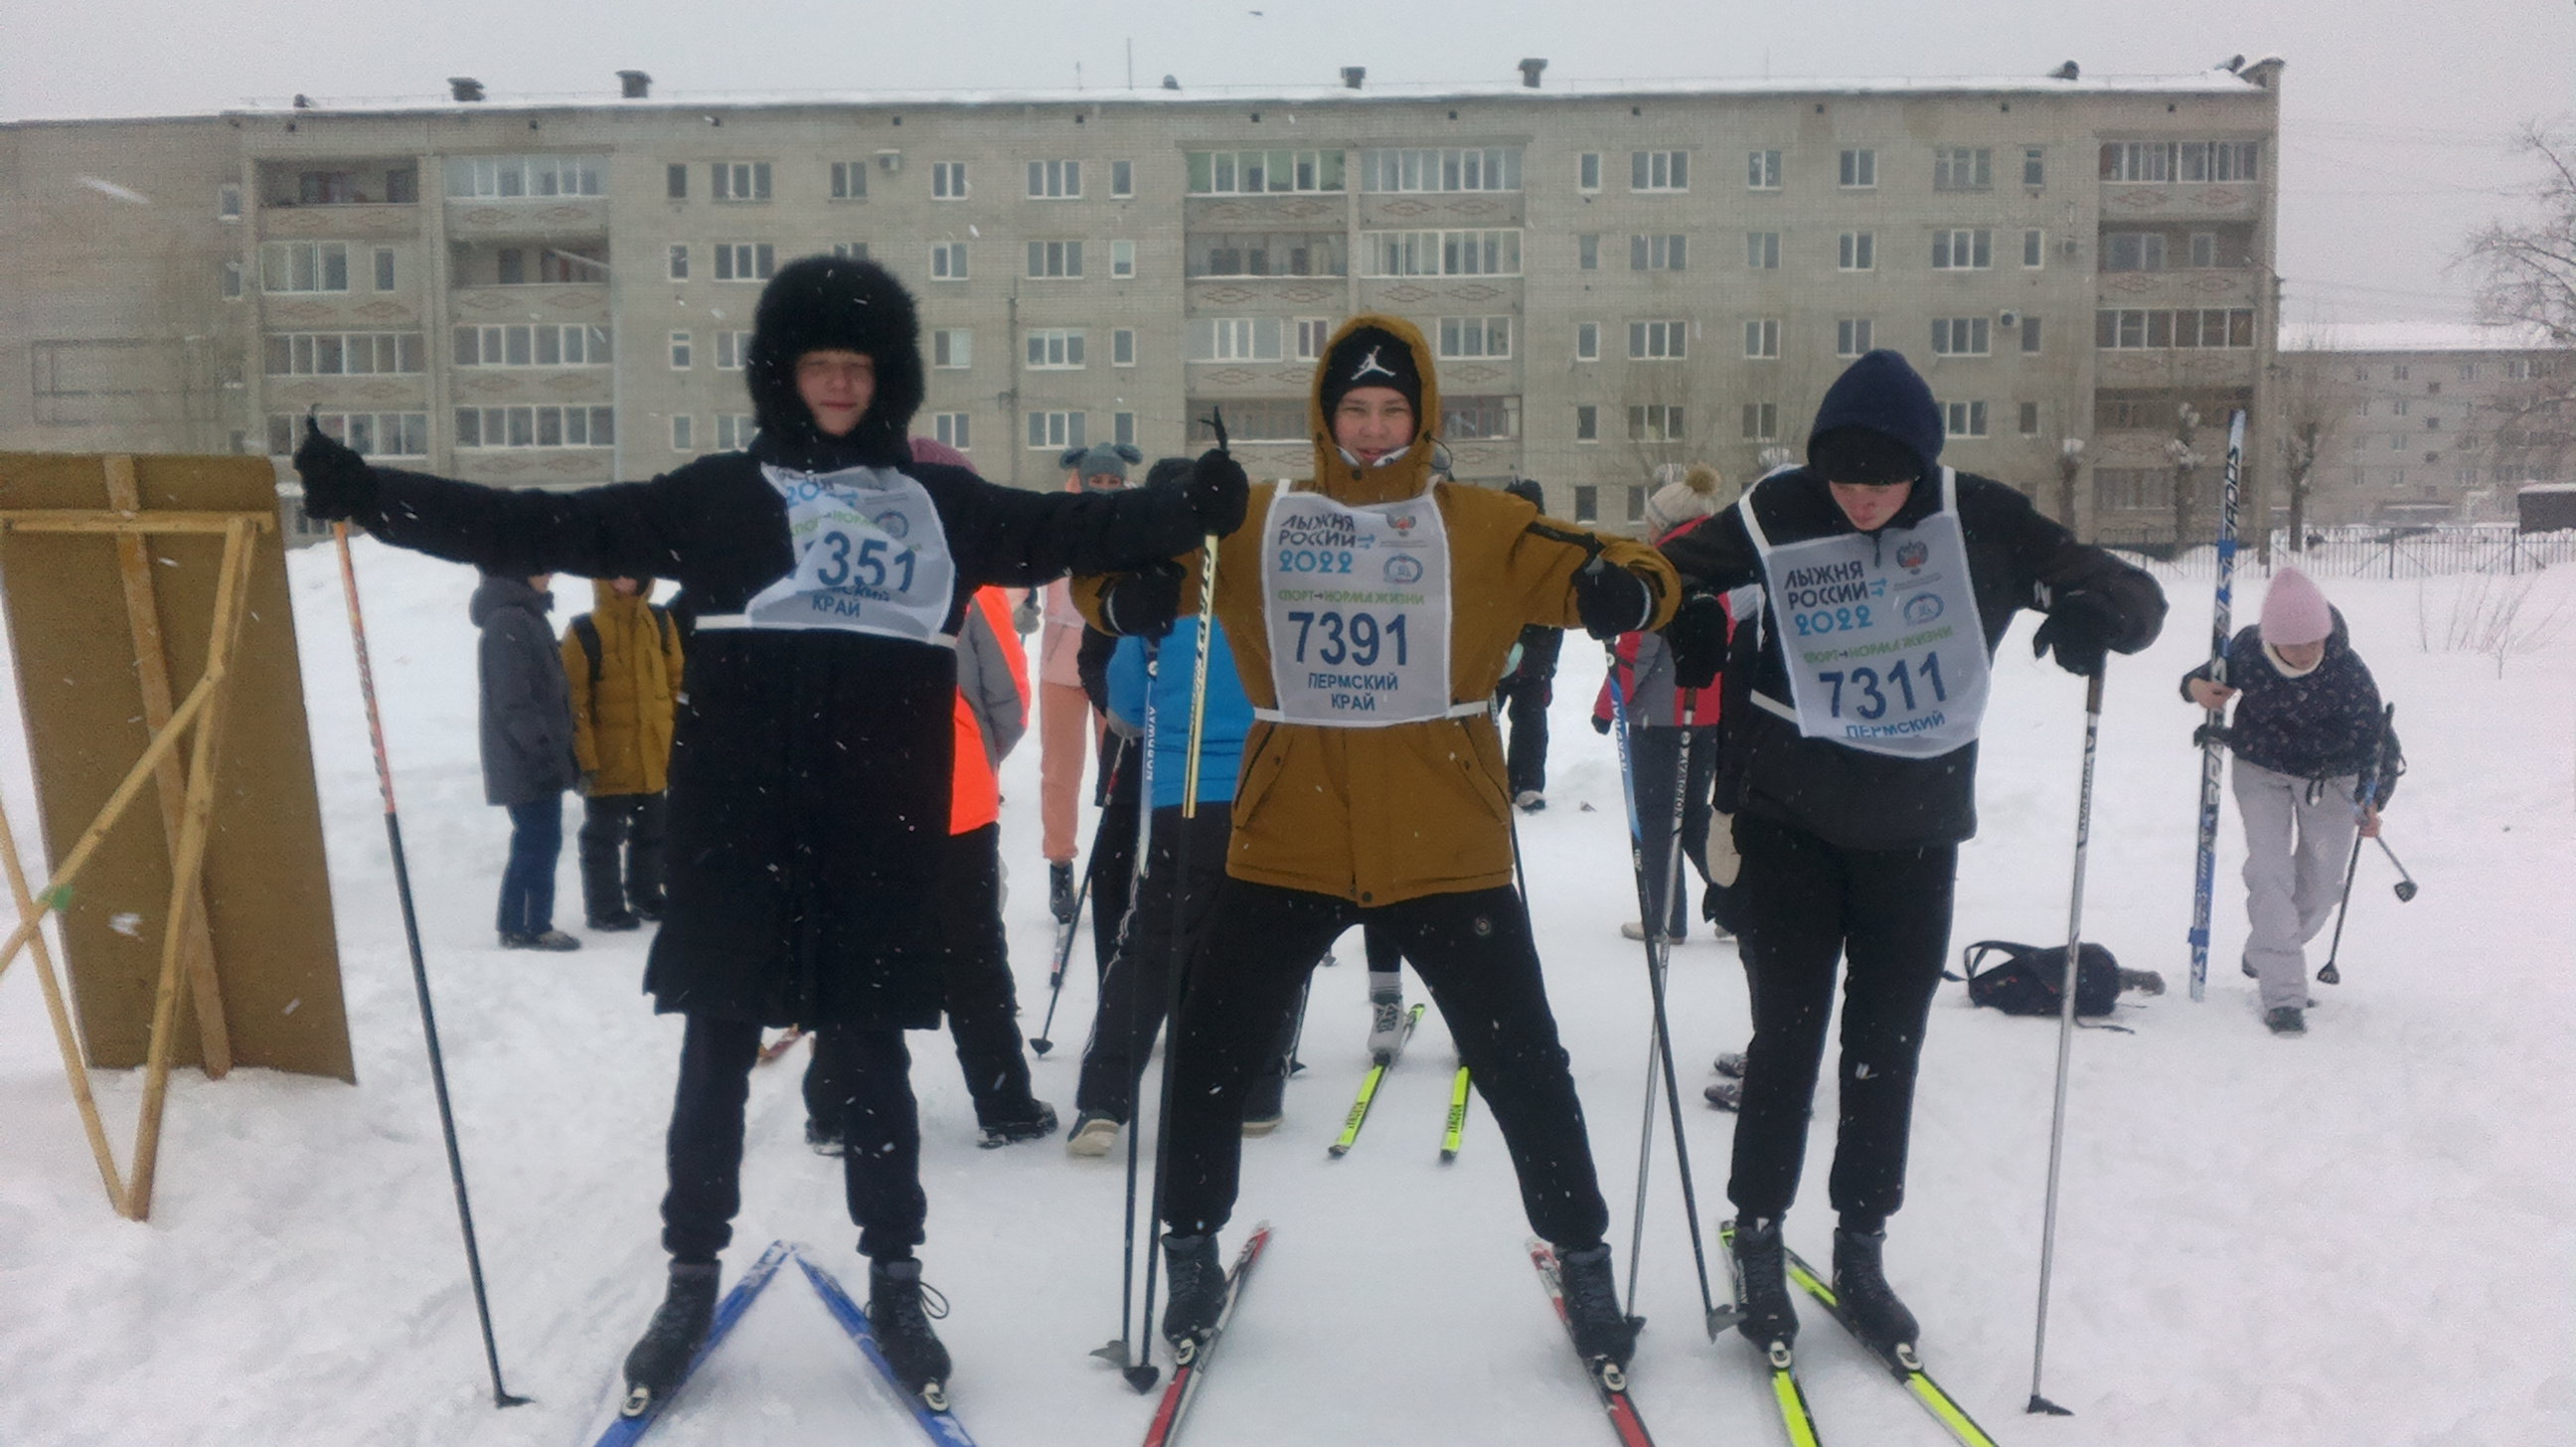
x=822 y=302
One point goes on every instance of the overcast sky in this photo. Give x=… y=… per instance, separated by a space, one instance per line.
x=2395 y=121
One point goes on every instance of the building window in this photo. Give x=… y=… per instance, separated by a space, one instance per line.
x=1496 y=168
x=1762 y=250
x=2130 y=330
x=292 y=266
x=1658 y=253
x=228 y=205
x=1442 y=253
x=1587 y=341
x=740 y=181
x=1122 y=178
x=2400 y=373
x=734 y=431
x=1962 y=250
x=849 y=180
x=1851 y=336
x=1762 y=170
x=1055 y=349
x=1587 y=503
x=2129 y=489
x=508 y=177
x=682 y=354
x=1587 y=171
x=684 y=432
x=1312 y=334
x=1122 y=346
x=950 y=427
x=952 y=348
x=232 y=281
x=1963 y=168
x=1252 y=419
x=2030 y=419
x=1122 y=258
x=1479 y=418
x=1475 y=337
x=1055 y=180
x=675 y=181
x=2030 y=332
x=1659 y=170
x=1587 y=251
x=2034 y=166
x=1966 y=419
x=948 y=180
x=733 y=351
x=1254 y=173
x=1960 y=336
x=1857 y=251
x=745 y=261
x=948 y=261
x=1655 y=422
x=849 y=251
x=1657 y=341
x=1587 y=424
x=1055 y=260
x=1054 y=431
x=1122 y=428
x=2166 y=161
x=374 y=434
x=1859 y=168
x=2034 y=249
x=679 y=261
x=2204 y=249
x=2468 y=371
x=1636 y=503
x=1270 y=253
x=1762 y=337
x=490 y=427
x=1235 y=339
x=2133 y=251
x=1761 y=421
x=347 y=354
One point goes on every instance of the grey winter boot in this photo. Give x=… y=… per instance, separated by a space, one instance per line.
x=900 y=1309
x=1602 y=1332
x=1197 y=1281
x=1868 y=1303
x=661 y=1356
x=1762 y=1284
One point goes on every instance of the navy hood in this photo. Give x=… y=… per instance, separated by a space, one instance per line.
x=1879 y=393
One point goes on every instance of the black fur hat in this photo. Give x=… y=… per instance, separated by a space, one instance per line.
x=828 y=303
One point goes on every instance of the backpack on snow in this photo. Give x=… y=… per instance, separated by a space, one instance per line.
x=2029 y=979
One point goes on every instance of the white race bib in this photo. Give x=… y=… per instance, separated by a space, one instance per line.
x=1356 y=601
x=1886 y=651
x=871 y=557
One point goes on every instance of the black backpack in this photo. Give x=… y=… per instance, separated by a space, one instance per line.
x=2029 y=978
x=588 y=632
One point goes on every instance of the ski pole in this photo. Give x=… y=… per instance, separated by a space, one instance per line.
x=2405 y=881
x=2365 y=794
x=1121 y=1352
x=1653 y=919
x=2065 y=1039
x=1055 y=977
x=501 y=1396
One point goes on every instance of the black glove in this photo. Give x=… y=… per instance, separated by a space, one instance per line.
x=1144 y=603
x=2080 y=627
x=1610 y=600
x=1697 y=638
x=1601 y=724
x=1216 y=491
x=338 y=484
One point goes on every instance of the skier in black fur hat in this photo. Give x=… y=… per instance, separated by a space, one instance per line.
x=826 y=574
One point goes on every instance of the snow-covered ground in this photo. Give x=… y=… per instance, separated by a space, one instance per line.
x=2363 y=1236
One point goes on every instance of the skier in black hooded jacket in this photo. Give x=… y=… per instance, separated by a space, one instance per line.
x=826 y=574
x=1888 y=581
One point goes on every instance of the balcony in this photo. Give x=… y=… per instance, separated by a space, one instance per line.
x=2206 y=287
x=486 y=218
x=353 y=221
x=2180 y=201
x=548 y=302
x=1411 y=211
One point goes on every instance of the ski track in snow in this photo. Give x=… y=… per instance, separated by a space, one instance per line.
x=2358 y=1237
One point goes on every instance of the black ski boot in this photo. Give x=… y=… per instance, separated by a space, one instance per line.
x=1060 y=892
x=1860 y=1285
x=661 y=1356
x=1762 y=1284
x=900 y=1309
x=1197 y=1282
x=1034 y=1121
x=1601 y=1331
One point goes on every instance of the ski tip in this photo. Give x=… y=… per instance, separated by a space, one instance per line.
x=2041 y=1406
x=639 y=1400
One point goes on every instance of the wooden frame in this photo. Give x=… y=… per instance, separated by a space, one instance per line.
x=186 y=795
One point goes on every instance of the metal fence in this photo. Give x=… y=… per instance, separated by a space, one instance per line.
x=2382 y=553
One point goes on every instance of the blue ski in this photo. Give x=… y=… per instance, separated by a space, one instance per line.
x=635 y=1417
x=930 y=1405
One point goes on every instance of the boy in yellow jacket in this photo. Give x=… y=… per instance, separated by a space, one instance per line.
x=622 y=659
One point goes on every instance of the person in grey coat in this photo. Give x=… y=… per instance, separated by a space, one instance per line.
x=528 y=758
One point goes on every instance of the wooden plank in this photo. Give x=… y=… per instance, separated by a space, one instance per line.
x=95 y=520
x=75 y=1069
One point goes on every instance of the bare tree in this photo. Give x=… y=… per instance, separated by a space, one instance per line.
x=2314 y=406
x=2527 y=266
x=2186 y=460
x=2070 y=466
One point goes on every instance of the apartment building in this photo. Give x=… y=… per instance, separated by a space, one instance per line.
x=1618 y=278
x=2416 y=423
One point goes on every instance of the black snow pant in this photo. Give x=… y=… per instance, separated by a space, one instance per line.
x=621 y=854
x=1655 y=758
x=881 y=1172
x=981 y=999
x=1473 y=952
x=1808 y=903
x=1113 y=844
x=1524 y=702
x=1137 y=990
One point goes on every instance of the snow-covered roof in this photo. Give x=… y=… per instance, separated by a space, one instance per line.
x=2412 y=337
x=2214 y=81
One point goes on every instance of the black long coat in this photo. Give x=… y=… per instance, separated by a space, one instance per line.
x=809 y=770
x=525 y=709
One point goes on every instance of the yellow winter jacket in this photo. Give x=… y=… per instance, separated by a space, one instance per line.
x=1381 y=815
x=621 y=712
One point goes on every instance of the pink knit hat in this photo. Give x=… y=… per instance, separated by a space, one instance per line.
x=2294 y=612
